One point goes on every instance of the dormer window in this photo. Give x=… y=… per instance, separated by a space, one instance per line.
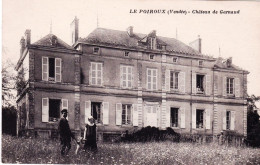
x=200 y=62
x=126 y=54
x=96 y=50
x=151 y=57
x=159 y=46
x=175 y=59
x=153 y=43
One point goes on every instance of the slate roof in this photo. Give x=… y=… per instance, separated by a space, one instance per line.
x=46 y=41
x=121 y=38
x=221 y=63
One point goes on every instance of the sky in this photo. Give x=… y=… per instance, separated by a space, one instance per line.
x=225 y=35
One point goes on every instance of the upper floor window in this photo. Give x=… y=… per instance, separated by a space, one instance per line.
x=151 y=79
x=174 y=117
x=96 y=73
x=126 y=76
x=96 y=50
x=199 y=118
x=126 y=54
x=153 y=43
x=151 y=56
x=126 y=114
x=51 y=69
x=200 y=83
x=230 y=86
x=174 y=79
x=175 y=59
x=200 y=62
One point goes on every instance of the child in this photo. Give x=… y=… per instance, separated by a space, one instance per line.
x=90 y=135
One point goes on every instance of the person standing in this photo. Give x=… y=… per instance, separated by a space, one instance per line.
x=65 y=133
x=90 y=135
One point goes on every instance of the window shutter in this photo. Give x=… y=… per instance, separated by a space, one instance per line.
x=45 y=109
x=58 y=69
x=132 y=77
x=155 y=75
x=121 y=76
x=237 y=87
x=224 y=86
x=168 y=117
x=105 y=111
x=102 y=83
x=135 y=115
x=232 y=126
x=118 y=114
x=167 y=80
x=207 y=118
x=224 y=120
x=45 y=68
x=181 y=82
x=194 y=118
x=148 y=74
x=208 y=84
x=182 y=109
x=64 y=103
x=194 y=83
x=90 y=73
x=87 y=110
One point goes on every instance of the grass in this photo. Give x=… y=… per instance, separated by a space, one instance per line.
x=26 y=151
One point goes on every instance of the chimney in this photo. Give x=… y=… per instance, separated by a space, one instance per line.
x=22 y=44
x=229 y=62
x=130 y=31
x=27 y=37
x=196 y=44
x=152 y=34
x=74 y=26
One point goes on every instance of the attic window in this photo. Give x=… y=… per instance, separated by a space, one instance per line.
x=200 y=62
x=151 y=57
x=175 y=59
x=159 y=46
x=153 y=43
x=126 y=54
x=95 y=50
x=53 y=40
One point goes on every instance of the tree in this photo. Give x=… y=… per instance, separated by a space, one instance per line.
x=8 y=84
x=253 y=123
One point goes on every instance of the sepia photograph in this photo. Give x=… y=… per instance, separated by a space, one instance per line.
x=130 y=82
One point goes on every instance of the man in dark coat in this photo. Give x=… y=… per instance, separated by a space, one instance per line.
x=65 y=132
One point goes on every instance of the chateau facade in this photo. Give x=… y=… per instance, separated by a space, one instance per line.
x=127 y=81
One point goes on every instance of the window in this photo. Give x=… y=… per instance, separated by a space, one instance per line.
x=200 y=62
x=95 y=50
x=151 y=57
x=174 y=78
x=96 y=111
x=151 y=79
x=54 y=109
x=175 y=59
x=51 y=69
x=126 y=54
x=159 y=46
x=230 y=86
x=228 y=118
x=96 y=73
x=174 y=117
x=199 y=118
x=200 y=83
x=126 y=114
x=126 y=76
x=152 y=43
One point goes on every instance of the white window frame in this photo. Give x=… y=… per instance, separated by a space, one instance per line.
x=55 y=69
x=200 y=62
x=94 y=73
x=128 y=107
x=174 y=80
x=128 y=76
x=228 y=86
x=152 y=77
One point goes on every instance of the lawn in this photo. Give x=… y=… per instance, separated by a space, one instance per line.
x=21 y=150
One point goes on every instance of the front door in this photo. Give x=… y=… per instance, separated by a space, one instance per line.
x=151 y=115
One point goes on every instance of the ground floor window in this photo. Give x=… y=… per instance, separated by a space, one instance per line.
x=96 y=111
x=174 y=117
x=126 y=114
x=228 y=118
x=54 y=109
x=199 y=118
